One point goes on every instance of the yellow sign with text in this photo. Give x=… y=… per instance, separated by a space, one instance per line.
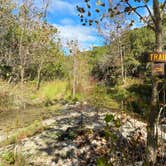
x=157 y=57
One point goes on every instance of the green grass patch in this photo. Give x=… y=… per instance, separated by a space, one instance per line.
x=11 y=158
x=53 y=90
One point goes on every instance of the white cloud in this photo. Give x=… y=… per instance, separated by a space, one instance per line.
x=67 y=21
x=61 y=7
x=82 y=34
x=55 y=7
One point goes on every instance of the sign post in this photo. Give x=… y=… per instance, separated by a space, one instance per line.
x=158 y=69
x=159 y=60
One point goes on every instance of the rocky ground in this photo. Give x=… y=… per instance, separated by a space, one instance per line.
x=76 y=137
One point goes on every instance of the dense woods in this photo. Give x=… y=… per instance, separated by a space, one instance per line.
x=107 y=86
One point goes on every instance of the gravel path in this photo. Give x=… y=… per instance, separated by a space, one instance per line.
x=45 y=149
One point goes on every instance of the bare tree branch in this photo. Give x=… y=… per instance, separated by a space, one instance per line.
x=150 y=13
x=140 y=16
x=164 y=4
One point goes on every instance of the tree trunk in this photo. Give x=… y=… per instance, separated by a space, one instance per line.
x=21 y=59
x=39 y=76
x=122 y=64
x=74 y=77
x=22 y=76
x=120 y=51
x=152 y=136
x=151 y=130
x=38 y=79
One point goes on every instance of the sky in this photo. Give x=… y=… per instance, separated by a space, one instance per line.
x=64 y=16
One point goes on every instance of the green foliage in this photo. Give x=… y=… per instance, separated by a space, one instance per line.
x=97 y=53
x=98 y=96
x=135 y=95
x=111 y=121
x=112 y=126
x=103 y=162
x=35 y=39
x=139 y=99
x=106 y=64
x=8 y=157
x=141 y=41
x=109 y=118
x=53 y=90
x=53 y=71
x=120 y=93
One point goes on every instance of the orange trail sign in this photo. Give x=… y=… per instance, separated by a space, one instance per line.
x=157 y=57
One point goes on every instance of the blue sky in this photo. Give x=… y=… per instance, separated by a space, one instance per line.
x=64 y=16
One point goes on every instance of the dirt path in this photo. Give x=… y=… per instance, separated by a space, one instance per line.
x=45 y=149
x=41 y=148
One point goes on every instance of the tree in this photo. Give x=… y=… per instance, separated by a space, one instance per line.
x=29 y=45
x=28 y=18
x=7 y=45
x=140 y=41
x=154 y=20
x=24 y=36
x=73 y=48
x=45 y=48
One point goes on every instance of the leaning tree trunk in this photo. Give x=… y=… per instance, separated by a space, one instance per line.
x=152 y=136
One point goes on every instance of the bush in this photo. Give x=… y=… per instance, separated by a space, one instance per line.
x=139 y=99
x=134 y=95
x=98 y=95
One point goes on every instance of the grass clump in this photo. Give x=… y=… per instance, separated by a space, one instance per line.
x=11 y=158
x=8 y=157
x=53 y=90
x=23 y=133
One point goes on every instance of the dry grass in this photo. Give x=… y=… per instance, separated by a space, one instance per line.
x=32 y=129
